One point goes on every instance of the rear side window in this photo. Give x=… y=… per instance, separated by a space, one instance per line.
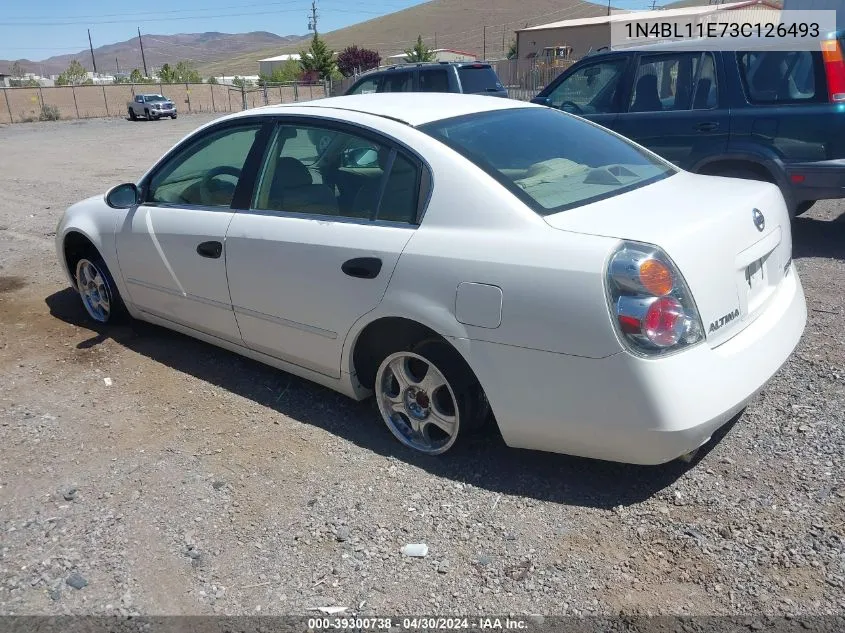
x=675 y=81
x=398 y=82
x=434 y=80
x=478 y=79
x=778 y=76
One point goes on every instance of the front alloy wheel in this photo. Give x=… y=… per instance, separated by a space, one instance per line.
x=94 y=290
x=417 y=403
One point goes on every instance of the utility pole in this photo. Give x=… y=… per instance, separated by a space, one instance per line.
x=143 y=58
x=435 y=39
x=504 y=50
x=608 y=7
x=653 y=4
x=484 y=55
x=312 y=19
x=117 y=63
x=91 y=47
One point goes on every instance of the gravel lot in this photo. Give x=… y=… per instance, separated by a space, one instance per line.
x=200 y=482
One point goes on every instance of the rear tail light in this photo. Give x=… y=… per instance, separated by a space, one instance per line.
x=652 y=307
x=834 y=68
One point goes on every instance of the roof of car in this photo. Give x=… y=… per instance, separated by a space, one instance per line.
x=413 y=108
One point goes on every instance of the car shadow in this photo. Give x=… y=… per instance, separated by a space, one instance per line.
x=483 y=460
x=818 y=238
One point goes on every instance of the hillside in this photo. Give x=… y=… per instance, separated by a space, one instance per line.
x=202 y=48
x=442 y=23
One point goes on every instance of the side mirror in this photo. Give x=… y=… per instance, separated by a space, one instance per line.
x=544 y=101
x=123 y=196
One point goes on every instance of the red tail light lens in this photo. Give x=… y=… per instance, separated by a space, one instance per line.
x=662 y=321
x=834 y=68
x=651 y=304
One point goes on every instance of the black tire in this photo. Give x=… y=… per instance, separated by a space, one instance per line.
x=469 y=400
x=803 y=207
x=172 y=116
x=132 y=116
x=117 y=312
x=472 y=402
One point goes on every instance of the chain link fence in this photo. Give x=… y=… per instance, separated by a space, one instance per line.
x=18 y=105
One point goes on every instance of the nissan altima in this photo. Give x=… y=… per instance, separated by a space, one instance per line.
x=461 y=259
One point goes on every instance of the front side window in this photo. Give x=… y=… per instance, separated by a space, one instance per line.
x=556 y=162
x=591 y=89
x=366 y=86
x=778 y=76
x=207 y=171
x=355 y=177
x=478 y=79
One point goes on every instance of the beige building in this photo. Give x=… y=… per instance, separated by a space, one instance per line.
x=547 y=43
x=268 y=65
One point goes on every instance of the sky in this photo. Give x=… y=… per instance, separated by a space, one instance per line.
x=39 y=29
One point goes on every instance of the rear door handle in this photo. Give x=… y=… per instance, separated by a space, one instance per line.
x=709 y=126
x=362 y=267
x=212 y=250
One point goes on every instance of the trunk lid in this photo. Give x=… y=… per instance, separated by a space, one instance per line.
x=707 y=225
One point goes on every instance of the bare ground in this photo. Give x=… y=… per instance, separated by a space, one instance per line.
x=200 y=482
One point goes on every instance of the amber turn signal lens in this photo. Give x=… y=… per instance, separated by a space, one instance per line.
x=656 y=277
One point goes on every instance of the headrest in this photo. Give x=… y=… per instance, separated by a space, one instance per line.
x=291 y=173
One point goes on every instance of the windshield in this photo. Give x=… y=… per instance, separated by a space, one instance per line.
x=155 y=98
x=550 y=160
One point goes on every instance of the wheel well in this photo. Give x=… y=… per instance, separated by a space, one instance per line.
x=732 y=166
x=76 y=246
x=385 y=336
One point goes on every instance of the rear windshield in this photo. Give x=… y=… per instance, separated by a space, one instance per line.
x=550 y=160
x=478 y=79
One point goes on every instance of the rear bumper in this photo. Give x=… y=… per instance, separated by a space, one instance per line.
x=822 y=180
x=634 y=410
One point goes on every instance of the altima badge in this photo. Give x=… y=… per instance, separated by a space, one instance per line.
x=759 y=219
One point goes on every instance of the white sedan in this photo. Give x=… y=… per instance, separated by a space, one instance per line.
x=462 y=258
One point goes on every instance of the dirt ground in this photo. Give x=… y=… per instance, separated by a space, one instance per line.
x=199 y=482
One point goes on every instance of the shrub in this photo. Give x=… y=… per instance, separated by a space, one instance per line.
x=49 y=113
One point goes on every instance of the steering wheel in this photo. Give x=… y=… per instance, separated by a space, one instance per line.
x=208 y=191
x=574 y=106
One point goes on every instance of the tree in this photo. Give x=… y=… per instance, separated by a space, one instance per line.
x=240 y=82
x=16 y=70
x=166 y=74
x=289 y=71
x=185 y=73
x=74 y=75
x=318 y=59
x=353 y=60
x=136 y=77
x=420 y=52
x=212 y=80
x=512 y=50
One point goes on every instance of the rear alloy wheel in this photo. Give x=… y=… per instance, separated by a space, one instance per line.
x=97 y=290
x=172 y=116
x=418 y=403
